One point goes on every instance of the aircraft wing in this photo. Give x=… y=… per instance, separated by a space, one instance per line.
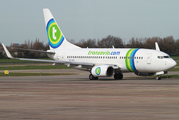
x=57 y=62
x=68 y=63
x=47 y=61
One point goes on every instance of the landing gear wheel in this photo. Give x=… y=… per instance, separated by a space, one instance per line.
x=158 y=77
x=95 y=78
x=91 y=77
x=118 y=76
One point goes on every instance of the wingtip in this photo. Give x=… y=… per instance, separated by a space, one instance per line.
x=156 y=46
x=7 y=52
x=45 y=9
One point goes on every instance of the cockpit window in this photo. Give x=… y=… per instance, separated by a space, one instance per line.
x=166 y=56
x=161 y=57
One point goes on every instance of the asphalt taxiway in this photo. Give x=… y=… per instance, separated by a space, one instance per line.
x=76 y=97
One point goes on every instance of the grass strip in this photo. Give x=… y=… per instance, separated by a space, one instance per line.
x=175 y=57
x=164 y=76
x=18 y=61
x=28 y=67
x=35 y=74
x=170 y=76
x=174 y=69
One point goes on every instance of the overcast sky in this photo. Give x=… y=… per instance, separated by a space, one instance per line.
x=83 y=19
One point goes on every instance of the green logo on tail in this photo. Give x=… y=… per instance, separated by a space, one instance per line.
x=55 y=36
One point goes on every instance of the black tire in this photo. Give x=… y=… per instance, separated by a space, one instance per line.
x=118 y=76
x=95 y=78
x=91 y=77
x=121 y=76
x=158 y=78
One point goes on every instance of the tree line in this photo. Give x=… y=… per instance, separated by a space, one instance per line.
x=167 y=44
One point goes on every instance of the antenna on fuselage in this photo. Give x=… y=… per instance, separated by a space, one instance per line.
x=156 y=46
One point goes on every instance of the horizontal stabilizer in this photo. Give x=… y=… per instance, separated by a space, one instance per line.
x=40 y=51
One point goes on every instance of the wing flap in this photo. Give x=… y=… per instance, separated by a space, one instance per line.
x=58 y=62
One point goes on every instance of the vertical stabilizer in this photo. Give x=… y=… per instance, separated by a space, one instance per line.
x=55 y=36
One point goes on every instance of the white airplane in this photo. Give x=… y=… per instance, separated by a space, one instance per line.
x=101 y=62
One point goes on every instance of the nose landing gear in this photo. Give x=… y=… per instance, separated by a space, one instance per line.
x=158 y=77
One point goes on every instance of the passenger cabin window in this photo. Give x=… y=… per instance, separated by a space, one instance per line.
x=96 y=57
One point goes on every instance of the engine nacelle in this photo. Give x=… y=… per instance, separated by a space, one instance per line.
x=102 y=70
x=145 y=74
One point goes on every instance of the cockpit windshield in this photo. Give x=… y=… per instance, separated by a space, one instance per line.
x=161 y=57
x=166 y=56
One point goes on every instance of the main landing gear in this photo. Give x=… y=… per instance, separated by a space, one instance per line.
x=118 y=76
x=91 y=77
x=158 y=77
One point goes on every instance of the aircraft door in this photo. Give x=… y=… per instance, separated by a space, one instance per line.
x=149 y=56
x=63 y=55
x=104 y=58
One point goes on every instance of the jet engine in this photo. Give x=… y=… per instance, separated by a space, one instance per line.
x=144 y=74
x=102 y=70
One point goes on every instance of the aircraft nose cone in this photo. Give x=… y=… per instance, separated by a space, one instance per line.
x=172 y=64
x=169 y=64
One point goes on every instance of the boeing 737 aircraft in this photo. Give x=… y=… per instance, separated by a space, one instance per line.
x=101 y=62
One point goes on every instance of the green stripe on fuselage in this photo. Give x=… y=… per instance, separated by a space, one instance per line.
x=127 y=60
